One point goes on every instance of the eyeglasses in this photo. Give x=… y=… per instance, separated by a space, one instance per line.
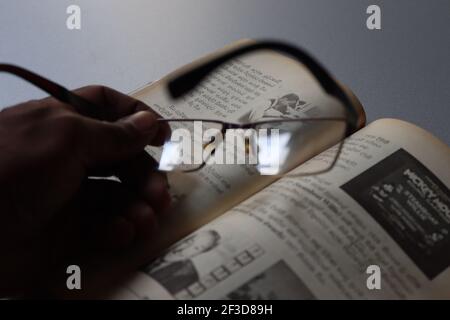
x=289 y=122
x=270 y=133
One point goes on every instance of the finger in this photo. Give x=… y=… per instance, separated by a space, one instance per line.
x=115 y=105
x=136 y=223
x=140 y=175
x=104 y=143
x=111 y=105
x=118 y=233
x=156 y=192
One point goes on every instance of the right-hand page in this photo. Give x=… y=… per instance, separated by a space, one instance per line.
x=385 y=203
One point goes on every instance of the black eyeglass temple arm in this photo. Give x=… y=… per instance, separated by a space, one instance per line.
x=55 y=90
x=189 y=80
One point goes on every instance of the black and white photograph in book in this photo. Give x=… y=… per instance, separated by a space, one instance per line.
x=201 y=261
x=176 y=270
x=411 y=204
x=278 y=282
x=286 y=106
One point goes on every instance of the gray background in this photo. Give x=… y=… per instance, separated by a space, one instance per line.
x=401 y=71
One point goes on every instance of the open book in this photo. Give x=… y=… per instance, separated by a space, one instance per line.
x=235 y=235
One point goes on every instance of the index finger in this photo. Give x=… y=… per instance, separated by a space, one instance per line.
x=114 y=105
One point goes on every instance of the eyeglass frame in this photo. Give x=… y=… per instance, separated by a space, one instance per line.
x=230 y=125
x=185 y=82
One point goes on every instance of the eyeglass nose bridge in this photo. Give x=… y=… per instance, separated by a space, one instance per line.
x=229 y=125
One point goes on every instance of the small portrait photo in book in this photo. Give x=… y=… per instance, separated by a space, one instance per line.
x=176 y=270
x=284 y=106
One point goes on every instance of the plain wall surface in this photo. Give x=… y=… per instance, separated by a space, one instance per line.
x=401 y=71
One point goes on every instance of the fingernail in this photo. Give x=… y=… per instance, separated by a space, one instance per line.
x=143 y=121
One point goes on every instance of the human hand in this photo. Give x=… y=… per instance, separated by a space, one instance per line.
x=51 y=213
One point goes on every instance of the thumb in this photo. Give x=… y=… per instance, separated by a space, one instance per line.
x=105 y=143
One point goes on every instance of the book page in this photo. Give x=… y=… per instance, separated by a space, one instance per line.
x=385 y=203
x=240 y=92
